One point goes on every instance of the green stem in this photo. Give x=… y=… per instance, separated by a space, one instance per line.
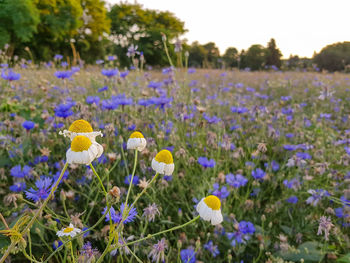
x=99 y=179
x=159 y=233
x=31 y=222
x=71 y=250
x=131 y=180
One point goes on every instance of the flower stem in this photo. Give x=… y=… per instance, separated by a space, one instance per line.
x=161 y=232
x=71 y=250
x=99 y=179
x=130 y=183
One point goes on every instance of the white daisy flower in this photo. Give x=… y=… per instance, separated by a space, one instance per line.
x=70 y=231
x=136 y=141
x=83 y=150
x=209 y=209
x=163 y=163
x=81 y=127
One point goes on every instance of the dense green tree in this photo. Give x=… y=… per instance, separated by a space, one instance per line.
x=132 y=24
x=18 y=22
x=273 y=54
x=230 y=57
x=197 y=55
x=333 y=57
x=213 y=55
x=255 y=57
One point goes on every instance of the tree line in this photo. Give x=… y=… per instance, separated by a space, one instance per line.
x=88 y=30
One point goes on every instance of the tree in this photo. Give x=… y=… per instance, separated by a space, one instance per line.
x=255 y=57
x=231 y=57
x=197 y=55
x=333 y=57
x=212 y=55
x=132 y=24
x=273 y=54
x=18 y=21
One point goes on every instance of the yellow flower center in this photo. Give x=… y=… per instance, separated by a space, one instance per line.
x=164 y=156
x=80 y=126
x=80 y=143
x=213 y=202
x=68 y=229
x=136 y=135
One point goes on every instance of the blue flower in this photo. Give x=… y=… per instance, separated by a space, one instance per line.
x=104 y=88
x=64 y=110
x=236 y=180
x=316 y=196
x=109 y=73
x=292 y=200
x=118 y=216
x=93 y=99
x=10 y=76
x=188 y=255
x=58 y=57
x=213 y=249
x=275 y=166
x=135 y=180
x=44 y=187
x=221 y=194
x=19 y=172
x=18 y=187
x=242 y=234
x=64 y=74
x=205 y=162
x=303 y=155
x=258 y=174
x=211 y=120
x=28 y=125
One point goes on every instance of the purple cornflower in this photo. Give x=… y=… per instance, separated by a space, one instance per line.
x=220 y=193
x=211 y=120
x=118 y=216
x=325 y=225
x=10 y=75
x=213 y=249
x=206 y=163
x=64 y=74
x=56 y=244
x=135 y=180
x=104 y=88
x=150 y=212
x=93 y=99
x=275 y=166
x=44 y=187
x=292 y=200
x=132 y=51
x=28 y=125
x=303 y=155
x=242 y=234
x=58 y=57
x=109 y=73
x=188 y=255
x=236 y=180
x=88 y=251
x=157 y=252
x=258 y=174
x=19 y=172
x=292 y=184
x=18 y=187
x=316 y=196
x=64 y=110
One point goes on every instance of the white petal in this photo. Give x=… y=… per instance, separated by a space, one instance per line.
x=217 y=217
x=169 y=169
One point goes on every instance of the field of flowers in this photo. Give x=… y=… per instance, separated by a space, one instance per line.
x=272 y=146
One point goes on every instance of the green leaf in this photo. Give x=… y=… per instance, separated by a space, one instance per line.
x=344 y=259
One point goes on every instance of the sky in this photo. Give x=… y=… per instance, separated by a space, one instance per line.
x=300 y=27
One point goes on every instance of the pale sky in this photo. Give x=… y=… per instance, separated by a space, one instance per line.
x=299 y=27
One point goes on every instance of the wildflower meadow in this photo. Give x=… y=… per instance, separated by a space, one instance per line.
x=105 y=164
